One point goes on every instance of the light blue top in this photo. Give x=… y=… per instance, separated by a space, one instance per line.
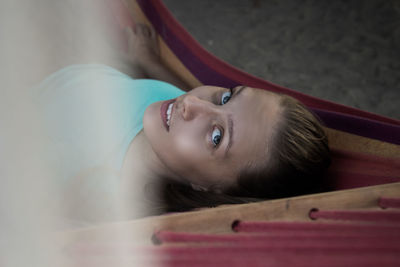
x=91 y=113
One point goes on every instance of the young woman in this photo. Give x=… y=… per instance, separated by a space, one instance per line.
x=146 y=143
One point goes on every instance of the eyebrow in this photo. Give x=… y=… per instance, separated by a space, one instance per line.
x=230 y=123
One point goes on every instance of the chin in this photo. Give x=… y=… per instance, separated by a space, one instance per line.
x=150 y=122
x=152 y=126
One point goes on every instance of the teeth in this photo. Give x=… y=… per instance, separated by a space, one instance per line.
x=168 y=118
x=169 y=110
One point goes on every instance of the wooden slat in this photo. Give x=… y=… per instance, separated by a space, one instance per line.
x=220 y=219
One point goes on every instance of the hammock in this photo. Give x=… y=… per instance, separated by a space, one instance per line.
x=365 y=146
x=358 y=226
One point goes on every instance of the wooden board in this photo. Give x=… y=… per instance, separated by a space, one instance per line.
x=220 y=219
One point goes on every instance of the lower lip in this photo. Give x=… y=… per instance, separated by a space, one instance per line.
x=163 y=112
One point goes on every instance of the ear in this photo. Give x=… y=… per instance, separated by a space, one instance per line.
x=198 y=187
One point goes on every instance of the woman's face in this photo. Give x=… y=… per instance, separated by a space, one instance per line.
x=212 y=133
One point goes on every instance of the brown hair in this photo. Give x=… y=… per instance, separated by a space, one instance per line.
x=300 y=156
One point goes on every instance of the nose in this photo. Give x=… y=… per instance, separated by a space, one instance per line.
x=193 y=106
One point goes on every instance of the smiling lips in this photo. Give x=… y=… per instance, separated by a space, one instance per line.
x=166 y=112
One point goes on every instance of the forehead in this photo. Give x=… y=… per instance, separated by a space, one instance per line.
x=255 y=114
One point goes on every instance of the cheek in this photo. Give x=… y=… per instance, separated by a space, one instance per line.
x=185 y=144
x=183 y=153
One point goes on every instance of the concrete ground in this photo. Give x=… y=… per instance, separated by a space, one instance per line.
x=344 y=51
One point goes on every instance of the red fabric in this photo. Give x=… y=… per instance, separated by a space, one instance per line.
x=320 y=240
x=312 y=227
x=274 y=261
x=365 y=163
x=286 y=244
x=389 y=202
x=279 y=256
x=360 y=215
x=353 y=170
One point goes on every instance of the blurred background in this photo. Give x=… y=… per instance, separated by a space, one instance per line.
x=344 y=51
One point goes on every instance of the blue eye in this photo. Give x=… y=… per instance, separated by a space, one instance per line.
x=225 y=97
x=216 y=137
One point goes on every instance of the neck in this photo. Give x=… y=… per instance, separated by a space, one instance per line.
x=141 y=164
x=141 y=171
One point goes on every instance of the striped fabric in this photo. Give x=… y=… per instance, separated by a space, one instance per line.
x=342 y=238
x=364 y=237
